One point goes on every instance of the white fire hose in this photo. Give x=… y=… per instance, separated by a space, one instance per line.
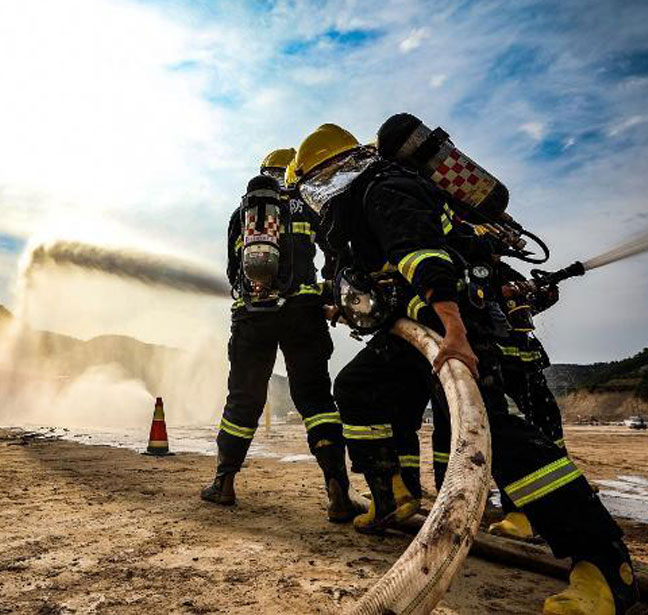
x=418 y=580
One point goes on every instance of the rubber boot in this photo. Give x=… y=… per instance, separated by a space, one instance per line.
x=601 y=585
x=407 y=504
x=382 y=508
x=391 y=504
x=407 y=492
x=221 y=491
x=331 y=459
x=411 y=477
x=514 y=525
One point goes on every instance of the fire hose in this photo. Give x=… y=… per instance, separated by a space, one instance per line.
x=418 y=580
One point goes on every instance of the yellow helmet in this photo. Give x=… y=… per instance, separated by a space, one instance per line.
x=290 y=178
x=328 y=141
x=278 y=158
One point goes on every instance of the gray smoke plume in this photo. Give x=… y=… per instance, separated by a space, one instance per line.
x=161 y=270
x=635 y=245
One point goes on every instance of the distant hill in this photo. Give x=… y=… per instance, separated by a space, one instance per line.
x=5 y=314
x=608 y=391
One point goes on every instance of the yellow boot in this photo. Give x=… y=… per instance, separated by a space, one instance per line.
x=588 y=594
x=391 y=503
x=514 y=525
x=406 y=504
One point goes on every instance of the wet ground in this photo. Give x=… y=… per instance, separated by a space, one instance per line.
x=104 y=530
x=625 y=495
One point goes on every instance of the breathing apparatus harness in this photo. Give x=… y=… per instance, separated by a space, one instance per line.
x=264 y=211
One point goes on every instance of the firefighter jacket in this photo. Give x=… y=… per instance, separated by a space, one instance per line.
x=522 y=351
x=297 y=273
x=390 y=218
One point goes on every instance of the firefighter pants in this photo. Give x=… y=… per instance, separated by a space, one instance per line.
x=531 y=469
x=302 y=334
x=382 y=395
x=529 y=390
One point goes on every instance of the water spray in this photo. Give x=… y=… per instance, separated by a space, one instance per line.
x=146 y=267
x=636 y=245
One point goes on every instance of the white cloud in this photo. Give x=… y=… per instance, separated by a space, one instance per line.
x=626 y=124
x=535 y=130
x=436 y=81
x=313 y=76
x=97 y=125
x=413 y=41
x=92 y=117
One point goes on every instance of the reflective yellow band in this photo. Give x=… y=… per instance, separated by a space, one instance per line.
x=409 y=263
x=441 y=457
x=560 y=442
x=238 y=303
x=247 y=433
x=300 y=228
x=414 y=306
x=446 y=224
x=367 y=432
x=448 y=210
x=543 y=481
x=409 y=461
x=320 y=419
x=307 y=289
x=238 y=244
x=524 y=355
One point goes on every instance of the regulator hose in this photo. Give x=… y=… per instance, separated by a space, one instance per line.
x=529 y=258
x=418 y=580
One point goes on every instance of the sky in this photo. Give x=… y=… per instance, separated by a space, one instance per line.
x=145 y=119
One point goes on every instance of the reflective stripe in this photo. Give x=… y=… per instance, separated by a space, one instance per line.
x=543 y=481
x=560 y=442
x=524 y=355
x=247 y=433
x=446 y=218
x=300 y=228
x=238 y=244
x=440 y=457
x=320 y=419
x=414 y=306
x=238 y=303
x=409 y=461
x=367 y=432
x=409 y=263
x=307 y=289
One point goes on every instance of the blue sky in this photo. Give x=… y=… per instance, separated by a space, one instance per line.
x=147 y=118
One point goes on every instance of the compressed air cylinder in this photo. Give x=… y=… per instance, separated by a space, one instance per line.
x=406 y=138
x=260 y=225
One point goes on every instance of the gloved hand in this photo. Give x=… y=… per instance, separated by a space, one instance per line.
x=455 y=346
x=545 y=297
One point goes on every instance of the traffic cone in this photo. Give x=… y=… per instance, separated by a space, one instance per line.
x=158 y=441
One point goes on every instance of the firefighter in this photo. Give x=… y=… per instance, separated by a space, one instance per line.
x=523 y=359
x=393 y=218
x=295 y=323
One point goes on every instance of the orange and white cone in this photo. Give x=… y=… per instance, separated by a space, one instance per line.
x=158 y=441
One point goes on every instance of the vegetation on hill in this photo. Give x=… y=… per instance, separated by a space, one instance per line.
x=627 y=376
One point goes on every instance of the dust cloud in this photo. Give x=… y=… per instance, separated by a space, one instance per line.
x=99 y=332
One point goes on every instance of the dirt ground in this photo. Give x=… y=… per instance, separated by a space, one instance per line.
x=89 y=529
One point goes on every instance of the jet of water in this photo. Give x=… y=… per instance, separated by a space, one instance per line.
x=146 y=267
x=637 y=244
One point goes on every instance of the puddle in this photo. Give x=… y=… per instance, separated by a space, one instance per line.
x=625 y=496
x=200 y=440
x=296 y=458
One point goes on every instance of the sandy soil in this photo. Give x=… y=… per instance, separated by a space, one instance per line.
x=88 y=529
